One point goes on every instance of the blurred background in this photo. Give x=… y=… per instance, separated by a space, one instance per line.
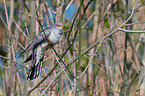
x=101 y=52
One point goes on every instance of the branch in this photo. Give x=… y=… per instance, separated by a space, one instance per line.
x=130 y=31
x=51 y=83
x=13 y=61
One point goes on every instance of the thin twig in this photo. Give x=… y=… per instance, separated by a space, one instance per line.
x=13 y=61
x=51 y=82
x=130 y=31
x=63 y=69
x=69 y=5
x=20 y=28
x=8 y=68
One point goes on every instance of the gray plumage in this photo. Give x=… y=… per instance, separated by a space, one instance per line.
x=39 y=46
x=40 y=37
x=37 y=59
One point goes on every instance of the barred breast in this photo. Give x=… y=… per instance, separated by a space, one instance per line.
x=54 y=37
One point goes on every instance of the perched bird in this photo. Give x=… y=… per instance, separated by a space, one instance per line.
x=44 y=40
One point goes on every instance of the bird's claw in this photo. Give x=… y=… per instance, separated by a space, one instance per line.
x=49 y=42
x=45 y=38
x=50 y=45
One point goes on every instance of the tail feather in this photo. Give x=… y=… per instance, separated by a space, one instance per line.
x=37 y=59
x=34 y=70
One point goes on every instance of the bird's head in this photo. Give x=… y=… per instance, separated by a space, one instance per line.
x=59 y=26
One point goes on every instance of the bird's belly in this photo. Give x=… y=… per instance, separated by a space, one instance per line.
x=44 y=45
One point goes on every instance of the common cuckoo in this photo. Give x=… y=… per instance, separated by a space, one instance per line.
x=44 y=40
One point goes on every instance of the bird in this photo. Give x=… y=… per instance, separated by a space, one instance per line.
x=46 y=39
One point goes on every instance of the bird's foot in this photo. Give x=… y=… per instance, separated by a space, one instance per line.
x=51 y=47
x=49 y=43
x=45 y=38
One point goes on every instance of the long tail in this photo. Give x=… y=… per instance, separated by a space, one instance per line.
x=34 y=70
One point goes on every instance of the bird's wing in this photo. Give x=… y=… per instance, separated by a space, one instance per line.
x=28 y=59
x=37 y=40
x=37 y=59
x=44 y=44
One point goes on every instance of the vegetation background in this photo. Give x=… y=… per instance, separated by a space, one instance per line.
x=101 y=53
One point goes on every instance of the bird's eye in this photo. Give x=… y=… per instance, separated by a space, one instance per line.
x=59 y=26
